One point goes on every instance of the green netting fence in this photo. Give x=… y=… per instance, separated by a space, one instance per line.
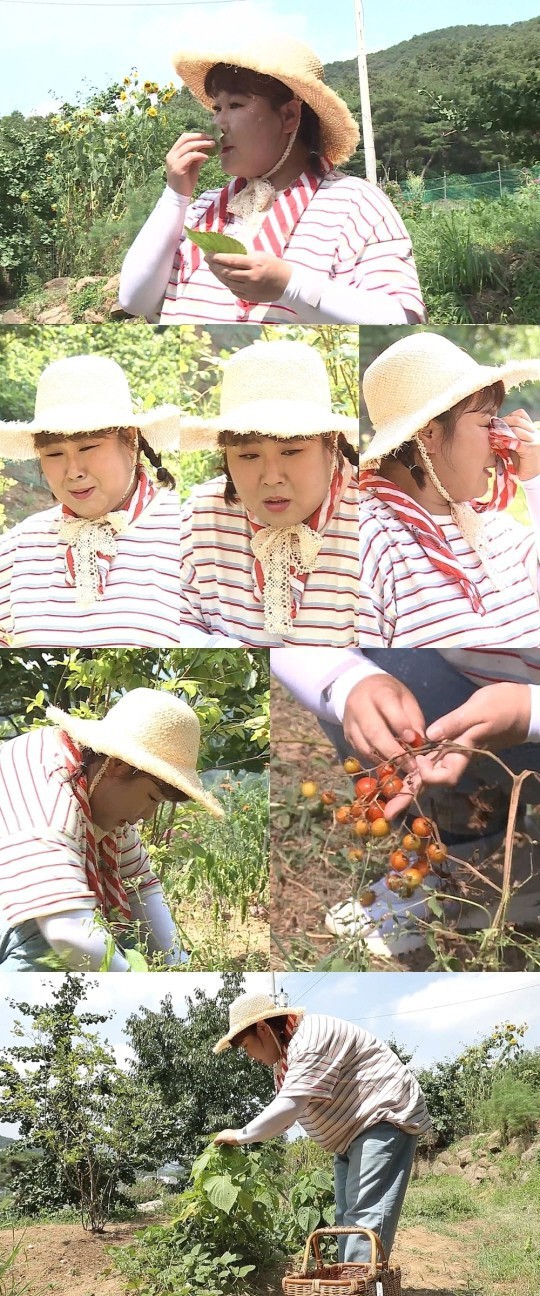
x=484 y=184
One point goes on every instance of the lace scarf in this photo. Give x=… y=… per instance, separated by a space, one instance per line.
x=285 y=555
x=91 y=544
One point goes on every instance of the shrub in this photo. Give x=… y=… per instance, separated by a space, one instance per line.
x=512 y=1107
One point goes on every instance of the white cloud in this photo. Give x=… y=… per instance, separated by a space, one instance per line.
x=445 y=1002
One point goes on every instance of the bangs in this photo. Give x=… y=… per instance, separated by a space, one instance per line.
x=239 y=80
x=486 y=399
x=43 y=439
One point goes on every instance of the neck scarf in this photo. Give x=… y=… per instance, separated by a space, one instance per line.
x=281 y=1067
x=91 y=544
x=276 y=228
x=430 y=536
x=102 y=868
x=285 y=555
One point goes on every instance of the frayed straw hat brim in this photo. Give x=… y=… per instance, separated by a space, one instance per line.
x=391 y=433
x=282 y=419
x=159 y=427
x=95 y=735
x=339 y=131
x=250 y=1020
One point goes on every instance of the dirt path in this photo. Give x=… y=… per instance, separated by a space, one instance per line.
x=62 y=1257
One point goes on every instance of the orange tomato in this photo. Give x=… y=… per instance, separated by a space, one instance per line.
x=394 y=882
x=343 y=814
x=351 y=765
x=423 y=865
x=411 y=842
x=412 y=877
x=391 y=786
x=367 y=898
x=417 y=741
x=358 y=809
x=437 y=853
x=328 y=798
x=361 y=827
x=355 y=854
x=380 y=828
x=399 y=861
x=366 y=788
x=422 y=828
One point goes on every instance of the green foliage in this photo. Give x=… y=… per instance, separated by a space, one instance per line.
x=194 y=1091
x=223 y=1231
x=512 y=1107
x=444 y=1197
x=311 y=1206
x=455 y=1088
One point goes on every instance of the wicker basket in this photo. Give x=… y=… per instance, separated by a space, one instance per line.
x=344 y=1279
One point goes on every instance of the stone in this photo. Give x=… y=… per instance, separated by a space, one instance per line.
x=151 y=1207
x=516 y=1146
x=93 y=316
x=531 y=1154
x=494 y=1173
x=465 y=1156
x=12 y=317
x=62 y=282
x=116 y=310
x=88 y=279
x=112 y=284
x=494 y=1142
x=54 y=315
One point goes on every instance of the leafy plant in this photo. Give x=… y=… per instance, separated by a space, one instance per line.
x=311 y=1204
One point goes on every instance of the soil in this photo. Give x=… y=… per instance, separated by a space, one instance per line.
x=233 y=944
x=62 y=1257
x=310 y=870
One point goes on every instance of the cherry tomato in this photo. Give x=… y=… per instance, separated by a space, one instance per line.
x=391 y=786
x=366 y=788
x=328 y=798
x=343 y=814
x=309 y=789
x=422 y=827
x=355 y=854
x=367 y=898
x=412 y=877
x=423 y=866
x=386 y=771
x=351 y=765
x=358 y=809
x=417 y=741
x=380 y=828
x=437 y=854
x=361 y=827
x=375 y=811
x=411 y=842
x=399 y=861
x=394 y=882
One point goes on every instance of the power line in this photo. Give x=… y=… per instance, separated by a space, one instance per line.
x=458 y=1003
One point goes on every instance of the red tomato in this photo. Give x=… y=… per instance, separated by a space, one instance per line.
x=386 y=771
x=366 y=788
x=391 y=786
x=375 y=811
x=417 y=741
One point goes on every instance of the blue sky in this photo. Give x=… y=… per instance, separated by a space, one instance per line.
x=433 y=1016
x=54 y=50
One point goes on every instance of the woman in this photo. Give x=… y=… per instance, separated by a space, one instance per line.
x=351 y=1094
x=101 y=566
x=320 y=246
x=269 y=549
x=72 y=865
x=439 y=565
x=371 y=703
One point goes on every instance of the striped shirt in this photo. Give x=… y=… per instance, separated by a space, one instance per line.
x=217 y=574
x=353 y=1081
x=407 y=603
x=140 y=606
x=349 y=233
x=43 y=835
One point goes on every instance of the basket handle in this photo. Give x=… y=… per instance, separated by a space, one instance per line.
x=377 y=1248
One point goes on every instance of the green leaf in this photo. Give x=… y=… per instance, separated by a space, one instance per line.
x=211 y=242
x=435 y=906
x=221 y=1192
x=137 y=961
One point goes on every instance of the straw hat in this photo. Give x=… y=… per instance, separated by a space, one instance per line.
x=277 y=389
x=151 y=730
x=248 y=1009
x=277 y=55
x=419 y=378
x=85 y=394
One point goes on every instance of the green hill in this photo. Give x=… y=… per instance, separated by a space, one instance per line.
x=467 y=64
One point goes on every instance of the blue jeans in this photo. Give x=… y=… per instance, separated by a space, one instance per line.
x=371 y=1179
x=439 y=688
x=21 y=947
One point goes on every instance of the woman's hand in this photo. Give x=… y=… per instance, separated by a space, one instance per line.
x=257 y=277
x=496 y=716
x=227 y=1136
x=185 y=159
x=528 y=454
x=380 y=715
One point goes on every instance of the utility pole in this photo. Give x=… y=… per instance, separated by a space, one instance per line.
x=367 y=127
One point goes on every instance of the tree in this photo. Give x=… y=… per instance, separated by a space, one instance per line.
x=73 y=1104
x=199 y=1091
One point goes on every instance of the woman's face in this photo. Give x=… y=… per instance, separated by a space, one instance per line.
x=282 y=482
x=91 y=475
x=122 y=797
x=254 y=134
x=463 y=465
